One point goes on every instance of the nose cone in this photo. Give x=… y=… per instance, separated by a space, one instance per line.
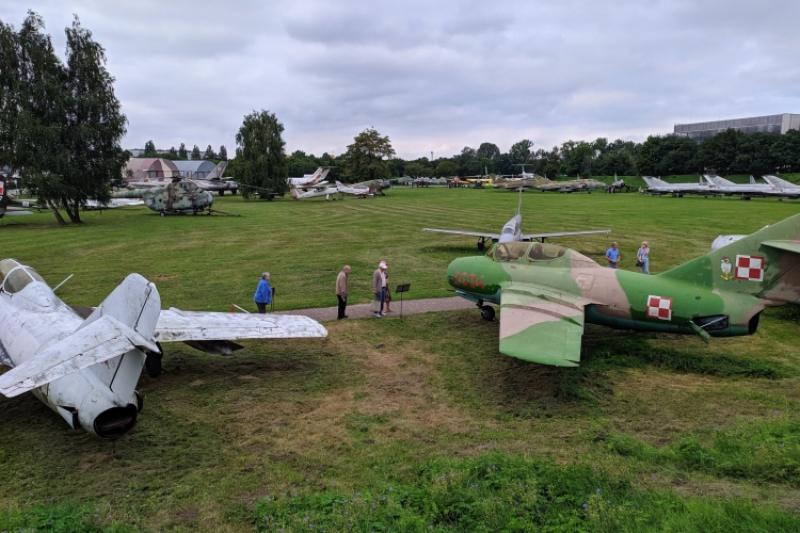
x=209 y=198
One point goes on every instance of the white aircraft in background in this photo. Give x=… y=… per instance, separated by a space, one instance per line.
x=362 y=192
x=312 y=193
x=657 y=186
x=787 y=189
x=85 y=367
x=215 y=182
x=512 y=232
x=309 y=180
x=747 y=190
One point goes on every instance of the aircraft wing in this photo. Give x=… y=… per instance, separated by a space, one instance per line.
x=469 y=233
x=531 y=236
x=175 y=325
x=103 y=339
x=540 y=325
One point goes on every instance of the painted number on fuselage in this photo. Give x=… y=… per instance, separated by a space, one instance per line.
x=465 y=279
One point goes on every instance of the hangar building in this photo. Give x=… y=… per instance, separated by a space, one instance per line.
x=149 y=169
x=195 y=169
x=778 y=124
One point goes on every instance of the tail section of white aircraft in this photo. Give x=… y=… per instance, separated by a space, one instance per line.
x=216 y=173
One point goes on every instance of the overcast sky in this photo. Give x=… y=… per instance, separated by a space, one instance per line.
x=436 y=76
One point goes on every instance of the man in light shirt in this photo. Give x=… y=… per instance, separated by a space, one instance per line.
x=379 y=287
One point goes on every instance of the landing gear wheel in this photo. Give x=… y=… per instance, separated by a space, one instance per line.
x=163 y=214
x=152 y=362
x=487 y=313
x=222 y=193
x=481 y=246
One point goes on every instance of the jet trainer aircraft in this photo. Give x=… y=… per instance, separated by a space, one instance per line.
x=308 y=180
x=215 y=182
x=355 y=189
x=547 y=293
x=512 y=232
x=85 y=368
x=657 y=187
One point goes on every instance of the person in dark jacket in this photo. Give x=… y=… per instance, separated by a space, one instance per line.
x=263 y=295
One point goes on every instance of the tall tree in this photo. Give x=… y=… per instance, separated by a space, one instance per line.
x=173 y=153
x=150 y=149
x=209 y=153
x=446 y=169
x=521 y=151
x=223 y=153
x=365 y=157
x=94 y=125
x=260 y=155
x=63 y=127
x=195 y=152
x=182 y=152
x=489 y=151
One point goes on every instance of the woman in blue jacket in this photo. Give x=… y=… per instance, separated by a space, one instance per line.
x=263 y=295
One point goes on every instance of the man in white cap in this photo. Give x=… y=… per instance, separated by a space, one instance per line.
x=379 y=286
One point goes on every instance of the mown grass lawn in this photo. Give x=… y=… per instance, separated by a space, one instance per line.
x=415 y=424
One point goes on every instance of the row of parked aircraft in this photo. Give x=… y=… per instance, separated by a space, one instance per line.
x=716 y=186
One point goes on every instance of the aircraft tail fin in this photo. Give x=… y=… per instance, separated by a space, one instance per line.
x=110 y=341
x=752 y=180
x=216 y=173
x=339 y=183
x=136 y=304
x=765 y=264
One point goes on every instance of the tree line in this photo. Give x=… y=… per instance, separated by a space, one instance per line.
x=182 y=154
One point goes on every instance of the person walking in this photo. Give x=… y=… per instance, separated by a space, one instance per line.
x=643 y=255
x=388 y=296
x=263 y=295
x=341 y=291
x=612 y=256
x=379 y=287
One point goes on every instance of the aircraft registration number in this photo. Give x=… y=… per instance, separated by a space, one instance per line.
x=465 y=279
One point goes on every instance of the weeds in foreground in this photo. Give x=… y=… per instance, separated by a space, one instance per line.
x=766 y=453
x=511 y=493
x=62 y=518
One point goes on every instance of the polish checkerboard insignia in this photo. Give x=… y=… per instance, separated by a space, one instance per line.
x=749 y=268
x=2 y=188
x=659 y=307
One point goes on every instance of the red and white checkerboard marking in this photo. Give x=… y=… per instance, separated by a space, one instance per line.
x=2 y=187
x=749 y=268
x=659 y=307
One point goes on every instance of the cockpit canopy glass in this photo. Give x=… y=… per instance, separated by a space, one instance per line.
x=510 y=251
x=15 y=279
x=545 y=252
x=6 y=266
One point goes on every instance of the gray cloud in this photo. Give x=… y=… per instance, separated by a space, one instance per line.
x=436 y=76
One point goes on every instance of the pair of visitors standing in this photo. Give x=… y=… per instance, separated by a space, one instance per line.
x=263 y=296
x=642 y=257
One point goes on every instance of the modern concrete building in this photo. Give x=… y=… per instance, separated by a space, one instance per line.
x=194 y=169
x=778 y=124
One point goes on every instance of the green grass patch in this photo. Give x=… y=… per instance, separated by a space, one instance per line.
x=62 y=518
x=766 y=453
x=498 y=492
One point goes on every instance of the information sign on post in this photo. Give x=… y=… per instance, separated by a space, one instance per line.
x=404 y=287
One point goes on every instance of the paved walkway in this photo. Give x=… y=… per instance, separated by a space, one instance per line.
x=410 y=307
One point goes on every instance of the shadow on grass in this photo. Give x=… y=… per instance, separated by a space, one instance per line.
x=476 y=374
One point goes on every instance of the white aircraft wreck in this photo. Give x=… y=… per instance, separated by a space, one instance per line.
x=86 y=367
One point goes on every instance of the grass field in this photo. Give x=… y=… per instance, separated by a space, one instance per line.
x=415 y=424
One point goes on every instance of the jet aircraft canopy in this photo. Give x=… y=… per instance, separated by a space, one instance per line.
x=513 y=251
x=14 y=277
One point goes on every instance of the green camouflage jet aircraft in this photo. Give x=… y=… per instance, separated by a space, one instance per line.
x=547 y=293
